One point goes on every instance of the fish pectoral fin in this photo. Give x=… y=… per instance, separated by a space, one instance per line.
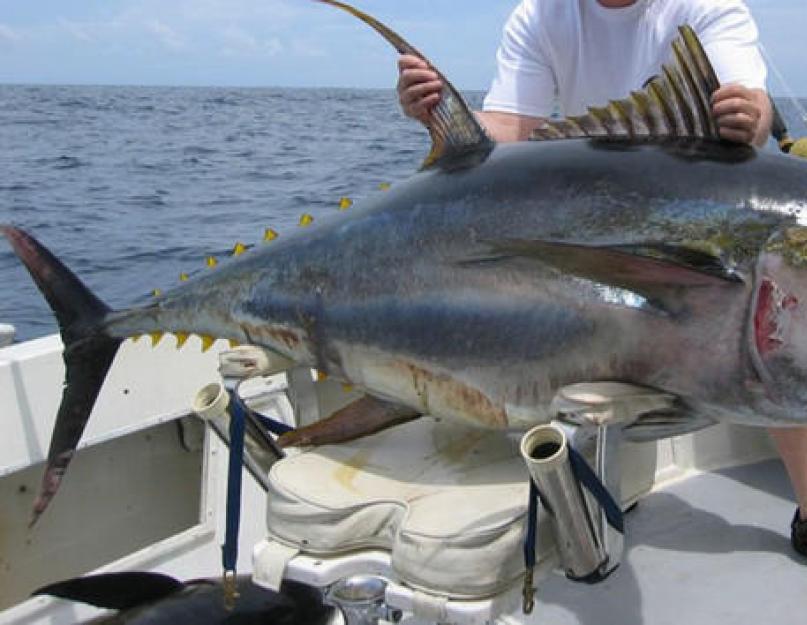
x=673 y=104
x=701 y=263
x=114 y=591
x=647 y=269
x=458 y=139
x=367 y=415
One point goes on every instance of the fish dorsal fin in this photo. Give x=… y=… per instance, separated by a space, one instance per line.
x=674 y=104
x=457 y=136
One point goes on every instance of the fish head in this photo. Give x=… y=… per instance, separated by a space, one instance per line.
x=778 y=321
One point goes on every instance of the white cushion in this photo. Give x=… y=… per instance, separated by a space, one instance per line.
x=448 y=502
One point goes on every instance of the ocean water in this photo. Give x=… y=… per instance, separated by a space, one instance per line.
x=131 y=186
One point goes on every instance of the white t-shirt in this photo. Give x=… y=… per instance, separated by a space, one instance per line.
x=577 y=53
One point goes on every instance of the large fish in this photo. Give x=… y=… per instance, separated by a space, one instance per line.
x=633 y=246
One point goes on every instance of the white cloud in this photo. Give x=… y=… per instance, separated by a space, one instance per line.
x=77 y=30
x=8 y=36
x=239 y=42
x=166 y=35
x=306 y=48
x=273 y=47
x=276 y=12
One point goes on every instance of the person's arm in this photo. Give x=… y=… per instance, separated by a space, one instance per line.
x=505 y=127
x=731 y=40
x=743 y=115
x=522 y=92
x=419 y=91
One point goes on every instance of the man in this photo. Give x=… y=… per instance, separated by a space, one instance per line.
x=565 y=55
x=587 y=52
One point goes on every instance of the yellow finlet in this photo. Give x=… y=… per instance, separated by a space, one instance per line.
x=211 y=261
x=347 y=388
x=156 y=293
x=233 y=343
x=239 y=249
x=156 y=337
x=269 y=235
x=183 y=277
x=136 y=337
x=384 y=186
x=799 y=148
x=207 y=342
x=321 y=376
x=345 y=203
x=182 y=338
x=306 y=220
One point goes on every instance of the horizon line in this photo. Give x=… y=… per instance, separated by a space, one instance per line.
x=778 y=96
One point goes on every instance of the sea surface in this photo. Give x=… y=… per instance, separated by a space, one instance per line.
x=131 y=186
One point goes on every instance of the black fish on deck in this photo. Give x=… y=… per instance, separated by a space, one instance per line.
x=156 y=599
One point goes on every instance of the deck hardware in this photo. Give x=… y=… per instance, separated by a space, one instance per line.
x=361 y=599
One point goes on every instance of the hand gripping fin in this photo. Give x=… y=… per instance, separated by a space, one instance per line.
x=458 y=139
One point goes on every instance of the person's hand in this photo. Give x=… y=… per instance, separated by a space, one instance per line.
x=738 y=113
x=419 y=87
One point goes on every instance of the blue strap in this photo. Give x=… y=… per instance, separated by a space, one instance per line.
x=275 y=427
x=229 y=550
x=586 y=476
x=532 y=526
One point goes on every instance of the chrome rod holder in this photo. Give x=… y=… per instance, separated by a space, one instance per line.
x=362 y=600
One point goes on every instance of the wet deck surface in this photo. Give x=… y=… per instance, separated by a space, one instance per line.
x=714 y=548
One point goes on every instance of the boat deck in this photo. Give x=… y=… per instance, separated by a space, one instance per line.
x=710 y=547
x=713 y=548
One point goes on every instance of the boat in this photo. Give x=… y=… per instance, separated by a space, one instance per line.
x=706 y=532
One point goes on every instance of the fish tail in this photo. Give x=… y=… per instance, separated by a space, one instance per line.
x=88 y=352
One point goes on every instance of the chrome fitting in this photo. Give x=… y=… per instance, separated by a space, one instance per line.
x=362 y=600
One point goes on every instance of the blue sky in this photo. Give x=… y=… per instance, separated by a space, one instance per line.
x=287 y=42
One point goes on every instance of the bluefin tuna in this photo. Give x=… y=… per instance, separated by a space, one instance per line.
x=628 y=244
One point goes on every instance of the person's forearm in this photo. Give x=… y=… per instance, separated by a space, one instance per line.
x=507 y=127
x=766 y=119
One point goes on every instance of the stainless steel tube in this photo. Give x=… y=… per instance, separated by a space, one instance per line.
x=576 y=528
